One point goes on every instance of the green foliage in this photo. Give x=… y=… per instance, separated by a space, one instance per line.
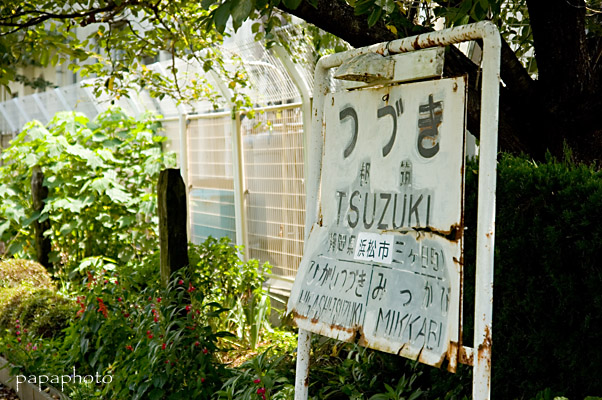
x=267 y=376
x=101 y=177
x=155 y=342
x=547 y=302
x=29 y=302
x=40 y=312
x=221 y=276
x=15 y=272
x=349 y=371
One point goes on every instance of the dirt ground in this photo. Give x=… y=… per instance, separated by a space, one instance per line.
x=7 y=393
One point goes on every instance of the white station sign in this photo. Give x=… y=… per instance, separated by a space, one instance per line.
x=384 y=265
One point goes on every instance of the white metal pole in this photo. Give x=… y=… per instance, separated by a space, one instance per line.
x=481 y=387
x=302 y=367
x=239 y=184
x=183 y=131
x=313 y=172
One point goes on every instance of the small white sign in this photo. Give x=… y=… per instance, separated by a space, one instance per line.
x=374 y=247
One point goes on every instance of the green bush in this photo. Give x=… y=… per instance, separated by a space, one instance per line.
x=15 y=272
x=221 y=276
x=38 y=311
x=547 y=321
x=101 y=177
x=155 y=342
x=27 y=295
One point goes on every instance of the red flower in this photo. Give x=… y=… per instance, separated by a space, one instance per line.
x=190 y=288
x=256 y=381
x=90 y=279
x=188 y=308
x=197 y=343
x=129 y=347
x=82 y=306
x=102 y=308
x=119 y=299
x=180 y=282
x=261 y=390
x=158 y=299
x=163 y=346
x=202 y=380
x=150 y=336
x=205 y=351
x=156 y=319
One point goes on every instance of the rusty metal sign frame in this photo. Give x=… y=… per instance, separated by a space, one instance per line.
x=480 y=355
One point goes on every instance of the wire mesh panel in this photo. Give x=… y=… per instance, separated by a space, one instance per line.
x=210 y=175
x=273 y=157
x=212 y=214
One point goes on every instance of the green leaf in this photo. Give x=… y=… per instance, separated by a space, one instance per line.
x=241 y=10
x=66 y=228
x=374 y=16
x=99 y=137
x=142 y=389
x=4 y=226
x=292 y=4
x=31 y=219
x=101 y=184
x=221 y=15
x=156 y=394
x=118 y=196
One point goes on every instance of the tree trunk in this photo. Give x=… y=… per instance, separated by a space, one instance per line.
x=567 y=101
x=173 y=236
x=39 y=193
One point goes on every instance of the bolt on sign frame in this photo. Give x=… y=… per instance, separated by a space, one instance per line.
x=480 y=355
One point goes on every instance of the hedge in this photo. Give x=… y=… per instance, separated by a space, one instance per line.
x=547 y=321
x=28 y=295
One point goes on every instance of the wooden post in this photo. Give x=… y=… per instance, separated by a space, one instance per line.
x=171 y=198
x=39 y=193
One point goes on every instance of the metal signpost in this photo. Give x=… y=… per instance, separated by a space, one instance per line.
x=385 y=193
